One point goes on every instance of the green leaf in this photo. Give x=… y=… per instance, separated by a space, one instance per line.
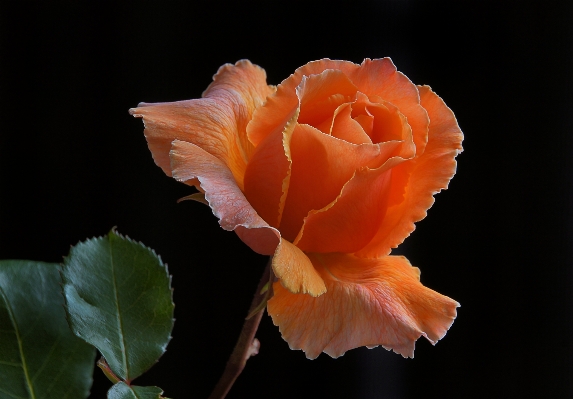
x=40 y=357
x=123 y=391
x=119 y=299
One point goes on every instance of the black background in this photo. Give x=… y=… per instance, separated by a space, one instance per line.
x=73 y=164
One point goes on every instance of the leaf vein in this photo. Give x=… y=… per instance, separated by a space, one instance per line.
x=20 y=348
x=119 y=319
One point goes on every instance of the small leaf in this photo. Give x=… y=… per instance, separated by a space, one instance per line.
x=123 y=391
x=119 y=299
x=40 y=358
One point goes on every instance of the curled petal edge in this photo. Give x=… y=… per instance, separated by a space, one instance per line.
x=424 y=176
x=369 y=302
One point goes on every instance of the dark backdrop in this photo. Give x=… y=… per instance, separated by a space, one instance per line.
x=73 y=164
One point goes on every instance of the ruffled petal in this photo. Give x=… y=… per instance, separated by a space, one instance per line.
x=321 y=165
x=422 y=177
x=368 y=302
x=217 y=123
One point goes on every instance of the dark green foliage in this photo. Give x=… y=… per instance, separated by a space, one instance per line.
x=40 y=358
x=119 y=299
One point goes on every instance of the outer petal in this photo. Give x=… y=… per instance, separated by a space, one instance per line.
x=228 y=203
x=368 y=302
x=422 y=177
x=217 y=123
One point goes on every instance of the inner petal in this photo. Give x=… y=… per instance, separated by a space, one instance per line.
x=382 y=120
x=320 y=95
x=321 y=165
x=346 y=128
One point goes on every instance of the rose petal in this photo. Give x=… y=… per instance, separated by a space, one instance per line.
x=368 y=302
x=296 y=272
x=348 y=129
x=228 y=203
x=388 y=123
x=321 y=94
x=268 y=173
x=379 y=77
x=321 y=165
x=422 y=177
x=273 y=115
x=349 y=223
x=319 y=66
x=188 y=161
x=217 y=123
x=280 y=107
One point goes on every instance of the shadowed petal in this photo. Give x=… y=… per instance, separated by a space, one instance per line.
x=268 y=173
x=422 y=177
x=217 y=123
x=321 y=165
x=368 y=302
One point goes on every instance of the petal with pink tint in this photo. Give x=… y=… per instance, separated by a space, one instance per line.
x=422 y=177
x=368 y=302
x=321 y=165
x=189 y=161
x=228 y=203
x=217 y=123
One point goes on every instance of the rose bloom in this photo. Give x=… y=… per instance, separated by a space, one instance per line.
x=327 y=172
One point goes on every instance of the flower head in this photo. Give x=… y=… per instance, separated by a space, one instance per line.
x=327 y=173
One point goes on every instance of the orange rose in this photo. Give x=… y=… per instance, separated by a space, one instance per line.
x=327 y=173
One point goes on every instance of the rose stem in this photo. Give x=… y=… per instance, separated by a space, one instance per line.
x=247 y=345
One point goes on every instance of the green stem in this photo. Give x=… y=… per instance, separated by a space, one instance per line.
x=247 y=345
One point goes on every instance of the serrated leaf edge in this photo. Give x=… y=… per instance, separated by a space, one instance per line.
x=139 y=243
